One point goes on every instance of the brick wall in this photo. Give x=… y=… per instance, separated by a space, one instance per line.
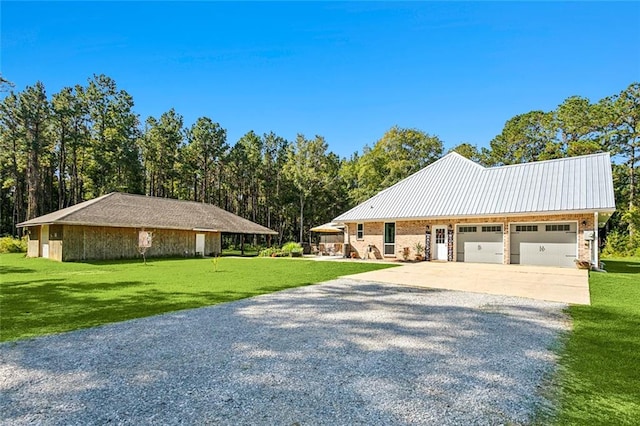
x=409 y=232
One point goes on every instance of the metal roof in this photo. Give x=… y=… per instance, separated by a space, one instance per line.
x=455 y=186
x=138 y=211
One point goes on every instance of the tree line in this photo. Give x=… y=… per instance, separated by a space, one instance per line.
x=87 y=140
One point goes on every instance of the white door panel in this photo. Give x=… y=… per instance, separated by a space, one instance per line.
x=483 y=252
x=544 y=244
x=474 y=245
x=200 y=244
x=440 y=243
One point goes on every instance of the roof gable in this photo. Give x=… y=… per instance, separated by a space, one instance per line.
x=456 y=186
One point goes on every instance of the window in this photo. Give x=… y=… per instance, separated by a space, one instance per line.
x=493 y=228
x=463 y=229
x=440 y=236
x=526 y=228
x=555 y=228
x=360 y=232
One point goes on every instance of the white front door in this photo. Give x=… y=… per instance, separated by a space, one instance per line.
x=440 y=243
x=44 y=240
x=200 y=244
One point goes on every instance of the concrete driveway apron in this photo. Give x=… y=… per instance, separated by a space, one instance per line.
x=535 y=282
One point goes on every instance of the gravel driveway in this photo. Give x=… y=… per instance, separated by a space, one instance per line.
x=342 y=352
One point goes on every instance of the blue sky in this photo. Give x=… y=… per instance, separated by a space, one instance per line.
x=346 y=71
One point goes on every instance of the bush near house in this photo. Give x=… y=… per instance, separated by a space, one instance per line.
x=621 y=245
x=290 y=248
x=13 y=245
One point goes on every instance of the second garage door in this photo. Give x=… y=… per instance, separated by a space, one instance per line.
x=479 y=244
x=544 y=244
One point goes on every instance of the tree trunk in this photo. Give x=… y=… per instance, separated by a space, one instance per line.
x=301 y=217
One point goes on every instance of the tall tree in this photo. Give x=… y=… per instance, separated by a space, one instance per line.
x=71 y=138
x=306 y=167
x=162 y=141
x=278 y=190
x=205 y=153
x=115 y=158
x=624 y=134
x=399 y=153
x=525 y=137
x=469 y=151
x=34 y=111
x=13 y=152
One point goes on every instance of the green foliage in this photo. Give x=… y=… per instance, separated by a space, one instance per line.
x=419 y=248
x=269 y=252
x=398 y=154
x=620 y=244
x=13 y=245
x=215 y=260
x=616 y=245
x=290 y=247
x=599 y=376
x=40 y=296
x=87 y=140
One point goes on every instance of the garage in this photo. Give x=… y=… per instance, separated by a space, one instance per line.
x=544 y=244
x=479 y=243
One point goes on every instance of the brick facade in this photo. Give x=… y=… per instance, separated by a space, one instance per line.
x=410 y=232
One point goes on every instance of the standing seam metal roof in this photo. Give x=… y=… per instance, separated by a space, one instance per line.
x=456 y=186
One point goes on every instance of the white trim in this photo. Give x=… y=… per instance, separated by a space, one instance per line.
x=479 y=217
x=384 y=244
x=596 y=241
x=434 y=252
x=362 y=237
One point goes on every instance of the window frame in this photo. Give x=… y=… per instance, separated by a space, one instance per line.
x=359 y=231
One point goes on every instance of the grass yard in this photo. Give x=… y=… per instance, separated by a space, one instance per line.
x=600 y=377
x=40 y=296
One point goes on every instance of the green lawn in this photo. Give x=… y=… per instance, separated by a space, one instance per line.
x=40 y=296
x=600 y=376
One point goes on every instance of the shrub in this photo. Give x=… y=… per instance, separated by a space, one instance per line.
x=291 y=246
x=620 y=245
x=268 y=252
x=13 y=245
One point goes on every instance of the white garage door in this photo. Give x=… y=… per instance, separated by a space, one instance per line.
x=544 y=244
x=479 y=244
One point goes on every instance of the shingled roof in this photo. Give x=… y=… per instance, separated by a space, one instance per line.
x=455 y=186
x=138 y=211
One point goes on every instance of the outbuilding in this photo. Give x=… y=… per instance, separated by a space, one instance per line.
x=538 y=213
x=119 y=225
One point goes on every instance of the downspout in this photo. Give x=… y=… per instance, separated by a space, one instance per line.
x=596 y=242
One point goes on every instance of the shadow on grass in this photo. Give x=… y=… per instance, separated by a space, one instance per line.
x=15 y=270
x=34 y=308
x=621 y=266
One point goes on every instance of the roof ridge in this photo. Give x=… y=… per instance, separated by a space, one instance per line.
x=575 y=157
x=201 y=203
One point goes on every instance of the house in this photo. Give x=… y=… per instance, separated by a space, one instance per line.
x=115 y=225
x=539 y=213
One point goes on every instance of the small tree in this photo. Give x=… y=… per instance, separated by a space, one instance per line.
x=144 y=243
